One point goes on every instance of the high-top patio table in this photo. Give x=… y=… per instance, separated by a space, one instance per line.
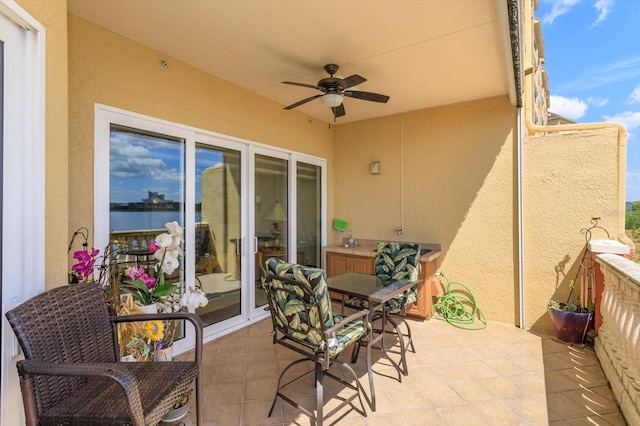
x=376 y=291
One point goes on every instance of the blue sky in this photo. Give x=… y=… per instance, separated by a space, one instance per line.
x=142 y=163
x=592 y=57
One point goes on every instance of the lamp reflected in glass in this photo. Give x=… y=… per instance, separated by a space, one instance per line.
x=276 y=214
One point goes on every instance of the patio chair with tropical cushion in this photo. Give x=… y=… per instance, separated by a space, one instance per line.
x=399 y=261
x=71 y=374
x=304 y=322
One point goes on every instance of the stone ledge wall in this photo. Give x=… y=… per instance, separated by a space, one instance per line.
x=618 y=342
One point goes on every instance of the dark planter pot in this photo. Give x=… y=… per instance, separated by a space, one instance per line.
x=571 y=327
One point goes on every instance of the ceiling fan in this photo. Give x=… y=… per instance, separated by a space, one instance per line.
x=334 y=90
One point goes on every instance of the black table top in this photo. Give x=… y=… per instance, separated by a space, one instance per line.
x=368 y=287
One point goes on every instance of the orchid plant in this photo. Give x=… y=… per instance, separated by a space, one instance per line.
x=166 y=250
x=82 y=270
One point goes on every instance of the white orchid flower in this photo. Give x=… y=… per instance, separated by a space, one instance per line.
x=159 y=254
x=173 y=251
x=164 y=240
x=193 y=299
x=174 y=229
x=170 y=264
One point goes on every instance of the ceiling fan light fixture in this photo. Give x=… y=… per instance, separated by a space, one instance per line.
x=331 y=99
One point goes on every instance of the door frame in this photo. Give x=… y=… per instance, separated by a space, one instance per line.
x=23 y=196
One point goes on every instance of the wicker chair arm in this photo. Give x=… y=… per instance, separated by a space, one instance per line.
x=193 y=318
x=113 y=371
x=363 y=313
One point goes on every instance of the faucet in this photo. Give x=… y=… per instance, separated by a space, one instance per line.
x=351 y=240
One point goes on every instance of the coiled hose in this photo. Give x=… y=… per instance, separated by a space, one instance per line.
x=458 y=307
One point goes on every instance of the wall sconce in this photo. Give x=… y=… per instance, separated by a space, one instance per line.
x=376 y=168
x=258 y=203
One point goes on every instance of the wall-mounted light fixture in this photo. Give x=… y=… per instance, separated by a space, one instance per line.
x=258 y=203
x=376 y=168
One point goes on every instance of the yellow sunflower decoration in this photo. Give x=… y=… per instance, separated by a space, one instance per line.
x=154 y=330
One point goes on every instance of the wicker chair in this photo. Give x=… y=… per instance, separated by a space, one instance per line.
x=304 y=322
x=71 y=373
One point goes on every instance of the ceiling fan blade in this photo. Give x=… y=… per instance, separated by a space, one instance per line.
x=338 y=111
x=304 y=101
x=310 y=86
x=367 y=96
x=352 y=80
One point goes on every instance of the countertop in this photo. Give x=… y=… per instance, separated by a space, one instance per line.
x=368 y=248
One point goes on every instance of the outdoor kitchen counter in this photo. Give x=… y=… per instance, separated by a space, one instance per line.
x=368 y=248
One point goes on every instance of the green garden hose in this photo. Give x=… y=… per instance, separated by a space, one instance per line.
x=458 y=307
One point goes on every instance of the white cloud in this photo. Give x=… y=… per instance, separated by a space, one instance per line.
x=630 y=120
x=572 y=108
x=604 y=8
x=559 y=8
x=599 y=102
x=634 y=97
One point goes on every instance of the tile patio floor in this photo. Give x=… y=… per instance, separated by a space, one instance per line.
x=497 y=376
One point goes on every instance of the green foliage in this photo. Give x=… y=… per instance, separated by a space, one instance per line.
x=632 y=217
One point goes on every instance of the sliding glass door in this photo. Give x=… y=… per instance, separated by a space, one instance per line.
x=218 y=231
x=309 y=208
x=239 y=203
x=271 y=230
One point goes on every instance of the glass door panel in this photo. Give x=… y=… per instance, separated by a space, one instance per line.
x=147 y=189
x=308 y=214
x=218 y=232
x=271 y=213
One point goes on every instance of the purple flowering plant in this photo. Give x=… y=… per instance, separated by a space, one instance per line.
x=146 y=289
x=82 y=270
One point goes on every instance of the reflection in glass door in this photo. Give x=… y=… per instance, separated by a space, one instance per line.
x=271 y=207
x=146 y=182
x=308 y=214
x=218 y=232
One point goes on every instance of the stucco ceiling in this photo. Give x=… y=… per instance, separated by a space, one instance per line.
x=421 y=53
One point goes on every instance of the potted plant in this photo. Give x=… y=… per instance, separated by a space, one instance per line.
x=573 y=317
x=179 y=409
x=570 y=319
x=148 y=290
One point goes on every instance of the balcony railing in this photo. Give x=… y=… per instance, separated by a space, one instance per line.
x=618 y=341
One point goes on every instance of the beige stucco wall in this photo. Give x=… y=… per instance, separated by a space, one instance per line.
x=53 y=16
x=109 y=69
x=450 y=173
x=568 y=179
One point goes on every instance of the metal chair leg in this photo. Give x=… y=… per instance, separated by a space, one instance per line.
x=319 y=394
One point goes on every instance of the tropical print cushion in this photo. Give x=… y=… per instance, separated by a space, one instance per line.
x=399 y=261
x=349 y=333
x=296 y=312
x=313 y=277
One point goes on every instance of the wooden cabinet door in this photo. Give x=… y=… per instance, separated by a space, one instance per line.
x=337 y=264
x=422 y=309
x=362 y=265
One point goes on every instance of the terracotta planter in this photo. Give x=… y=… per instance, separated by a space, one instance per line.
x=571 y=327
